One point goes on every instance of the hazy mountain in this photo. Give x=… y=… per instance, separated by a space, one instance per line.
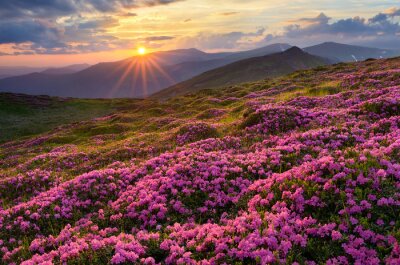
x=248 y=70
x=66 y=70
x=188 y=70
x=143 y=76
x=10 y=71
x=7 y=71
x=132 y=77
x=270 y=49
x=348 y=53
x=184 y=55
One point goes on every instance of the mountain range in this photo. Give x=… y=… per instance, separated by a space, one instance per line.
x=248 y=70
x=349 y=53
x=70 y=69
x=11 y=71
x=138 y=76
x=142 y=76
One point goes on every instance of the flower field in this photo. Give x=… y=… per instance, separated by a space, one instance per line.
x=303 y=169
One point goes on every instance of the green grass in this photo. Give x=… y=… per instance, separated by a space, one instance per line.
x=20 y=117
x=324 y=89
x=24 y=116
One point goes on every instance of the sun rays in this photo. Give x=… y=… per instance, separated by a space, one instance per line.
x=140 y=71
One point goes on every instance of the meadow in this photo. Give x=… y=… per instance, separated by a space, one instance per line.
x=301 y=169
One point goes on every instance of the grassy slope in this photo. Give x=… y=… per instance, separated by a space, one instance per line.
x=139 y=129
x=248 y=70
x=139 y=124
x=22 y=115
x=27 y=116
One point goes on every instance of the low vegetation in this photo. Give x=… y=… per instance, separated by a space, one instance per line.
x=302 y=169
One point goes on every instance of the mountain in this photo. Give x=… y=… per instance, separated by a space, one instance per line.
x=270 y=49
x=133 y=77
x=188 y=70
x=66 y=70
x=247 y=70
x=348 y=53
x=8 y=71
x=12 y=71
x=174 y=57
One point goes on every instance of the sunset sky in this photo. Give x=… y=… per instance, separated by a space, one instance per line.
x=62 y=32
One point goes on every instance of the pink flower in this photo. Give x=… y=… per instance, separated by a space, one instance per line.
x=336 y=235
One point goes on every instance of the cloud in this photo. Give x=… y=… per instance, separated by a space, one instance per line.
x=393 y=12
x=358 y=26
x=320 y=19
x=356 y=30
x=66 y=26
x=36 y=9
x=98 y=23
x=159 y=38
x=48 y=37
x=112 y=6
x=383 y=17
x=129 y=14
x=56 y=8
x=228 y=13
x=379 y=18
x=217 y=41
x=321 y=25
x=36 y=31
x=79 y=26
x=382 y=30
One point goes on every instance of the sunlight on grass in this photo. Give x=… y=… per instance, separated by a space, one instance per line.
x=156 y=179
x=324 y=89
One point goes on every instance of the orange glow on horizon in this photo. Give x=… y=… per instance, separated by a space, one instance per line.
x=141 y=69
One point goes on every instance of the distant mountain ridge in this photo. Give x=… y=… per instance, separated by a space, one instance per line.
x=12 y=71
x=248 y=70
x=66 y=70
x=133 y=77
x=9 y=71
x=348 y=53
x=141 y=77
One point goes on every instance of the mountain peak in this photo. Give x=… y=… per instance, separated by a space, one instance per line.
x=331 y=43
x=294 y=50
x=247 y=70
x=189 y=50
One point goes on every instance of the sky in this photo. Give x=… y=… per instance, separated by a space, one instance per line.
x=62 y=32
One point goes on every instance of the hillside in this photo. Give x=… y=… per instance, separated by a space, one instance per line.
x=349 y=53
x=247 y=70
x=70 y=69
x=139 y=77
x=12 y=71
x=299 y=169
x=135 y=77
x=23 y=115
x=187 y=70
x=8 y=71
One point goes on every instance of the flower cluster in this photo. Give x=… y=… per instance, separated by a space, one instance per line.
x=195 y=132
x=310 y=180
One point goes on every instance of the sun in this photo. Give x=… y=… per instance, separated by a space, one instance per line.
x=141 y=50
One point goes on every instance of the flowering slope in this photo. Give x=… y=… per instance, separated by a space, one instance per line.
x=302 y=170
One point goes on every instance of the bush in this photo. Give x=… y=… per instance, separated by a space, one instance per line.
x=195 y=132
